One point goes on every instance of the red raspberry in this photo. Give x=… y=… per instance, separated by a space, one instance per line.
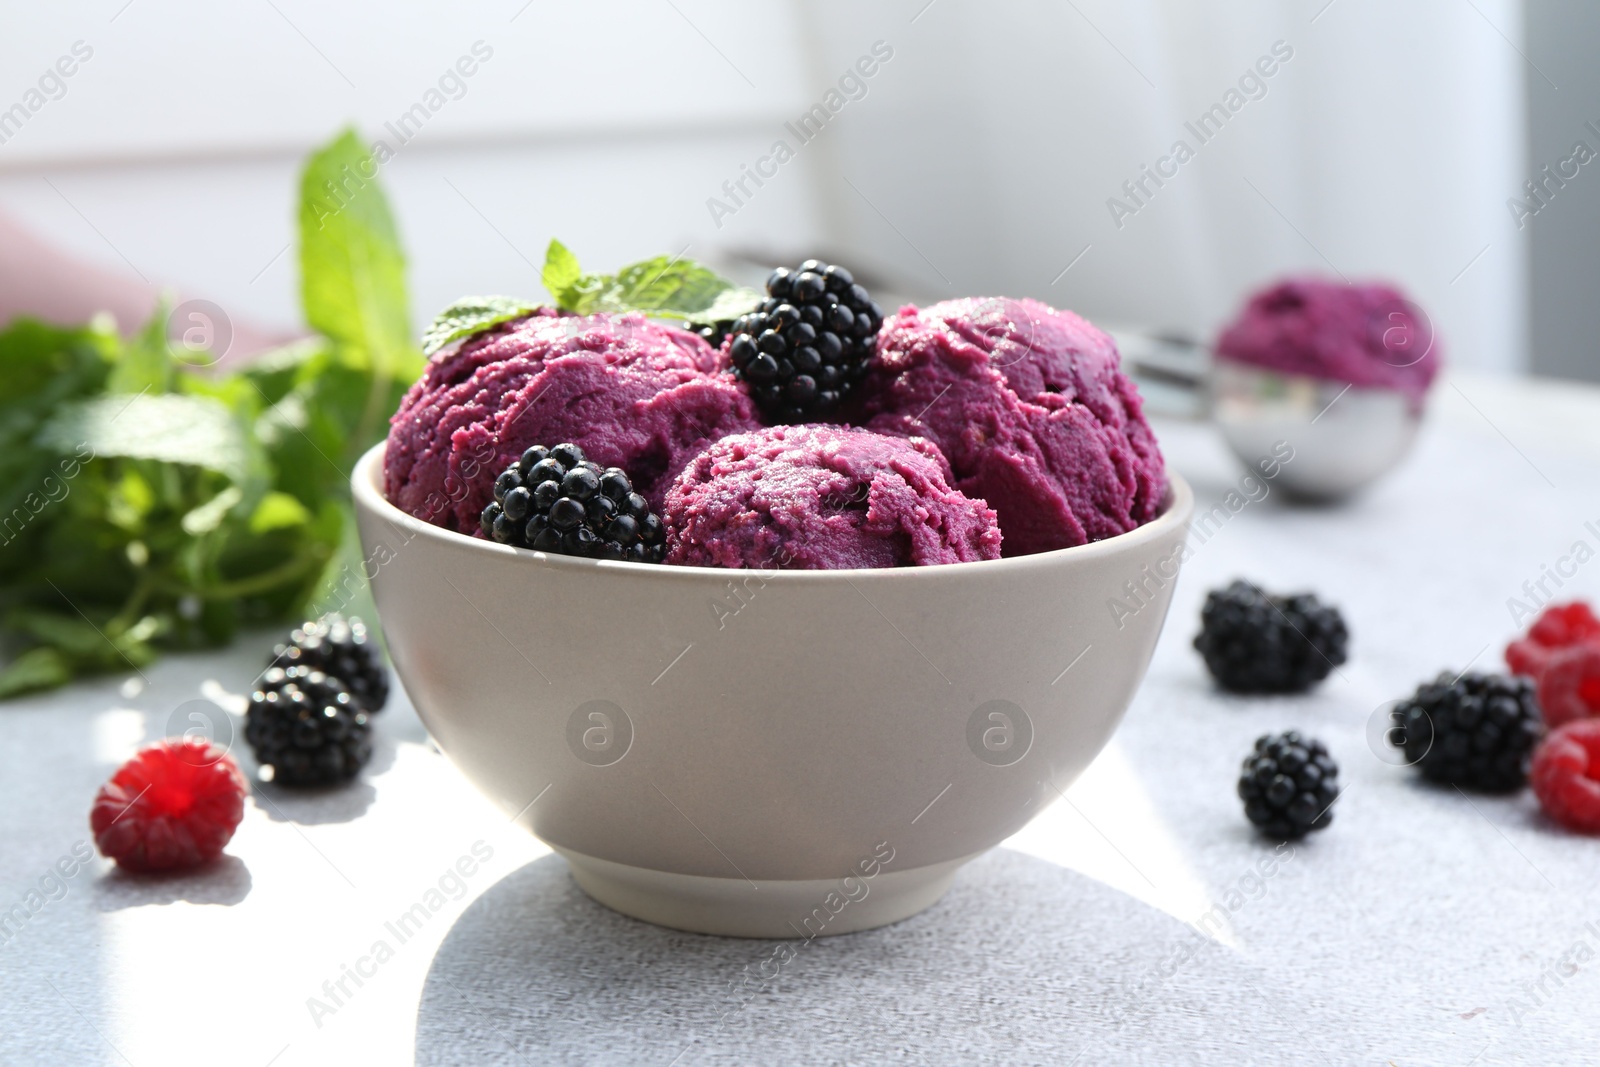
x=1566 y=775
x=1569 y=688
x=173 y=805
x=1527 y=656
x=1558 y=626
x=1561 y=625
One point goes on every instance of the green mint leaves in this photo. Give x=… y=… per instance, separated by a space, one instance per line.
x=665 y=286
x=148 y=504
x=471 y=315
x=352 y=271
x=668 y=287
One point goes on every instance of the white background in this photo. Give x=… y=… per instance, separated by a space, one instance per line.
x=979 y=161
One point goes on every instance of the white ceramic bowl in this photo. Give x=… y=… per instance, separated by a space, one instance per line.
x=767 y=754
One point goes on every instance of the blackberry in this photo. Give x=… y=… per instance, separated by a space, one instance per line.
x=339 y=647
x=712 y=333
x=1476 y=731
x=554 y=500
x=1288 y=785
x=305 y=726
x=805 y=348
x=1255 y=643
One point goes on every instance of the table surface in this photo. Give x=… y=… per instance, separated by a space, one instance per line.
x=1426 y=926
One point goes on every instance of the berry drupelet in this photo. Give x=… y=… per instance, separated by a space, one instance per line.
x=342 y=648
x=1475 y=731
x=554 y=500
x=1288 y=785
x=1256 y=643
x=805 y=348
x=712 y=333
x=305 y=726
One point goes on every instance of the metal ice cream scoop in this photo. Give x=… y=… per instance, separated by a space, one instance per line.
x=1344 y=436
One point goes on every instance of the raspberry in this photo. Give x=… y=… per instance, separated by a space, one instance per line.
x=1557 y=627
x=1561 y=625
x=174 y=805
x=1527 y=657
x=1566 y=775
x=1569 y=688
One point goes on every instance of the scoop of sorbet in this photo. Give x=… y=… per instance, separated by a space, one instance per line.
x=1368 y=335
x=631 y=393
x=1031 y=408
x=823 y=497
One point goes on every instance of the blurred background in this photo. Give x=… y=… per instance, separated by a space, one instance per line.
x=986 y=152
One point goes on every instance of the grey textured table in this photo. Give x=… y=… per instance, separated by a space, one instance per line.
x=1425 y=927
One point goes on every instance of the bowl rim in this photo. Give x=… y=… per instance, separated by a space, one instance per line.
x=1177 y=507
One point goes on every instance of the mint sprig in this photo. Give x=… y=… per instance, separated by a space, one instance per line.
x=664 y=286
x=471 y=315
x=150 y=505
x=667 y=287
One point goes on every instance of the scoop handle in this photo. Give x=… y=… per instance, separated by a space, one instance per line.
x=1171 y=368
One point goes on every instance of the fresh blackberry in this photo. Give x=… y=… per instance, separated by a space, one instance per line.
x=305 y=726
x=554 y=500
x=340 y=647
x=1288 y=785
x=712 y=333
x=805 y=348
x=1476 y=731
x=1255 y=643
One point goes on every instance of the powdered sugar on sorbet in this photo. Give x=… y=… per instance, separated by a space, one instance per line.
x=820 y=497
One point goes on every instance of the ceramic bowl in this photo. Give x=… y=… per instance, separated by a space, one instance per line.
x=767 y=754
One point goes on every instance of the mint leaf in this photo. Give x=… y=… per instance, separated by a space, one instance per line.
x=146 y=361
x=561 y=271
x=173 y=507
x=729 y=305
x=677 y=288
x=278 y=511
x=352 y=271
x=41 y=366
x=572 y=289
x=208 y=516
x=192 y=430
x=37 y=668
x=664 y=286
x=470 y=315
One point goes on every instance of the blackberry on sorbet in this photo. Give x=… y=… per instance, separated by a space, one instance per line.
x=555 y=500
x=1476 y=731
x=305 y=725
x=808 y=344
x=339 y=647
x=712 y=333
x=1288 y=784
x=1256 y=643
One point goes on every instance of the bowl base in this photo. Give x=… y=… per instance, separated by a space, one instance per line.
x=765 y=908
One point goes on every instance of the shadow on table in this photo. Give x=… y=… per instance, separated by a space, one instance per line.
x=315 y=807
x=225 y=882
x=1021 y=962
x=340 y=803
